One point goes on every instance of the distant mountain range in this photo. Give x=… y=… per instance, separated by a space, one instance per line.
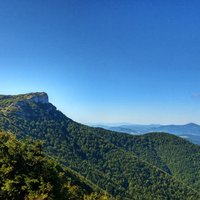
x=189 y=131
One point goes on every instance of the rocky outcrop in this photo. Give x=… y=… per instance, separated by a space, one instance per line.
x=38 y=98
x=21 y=104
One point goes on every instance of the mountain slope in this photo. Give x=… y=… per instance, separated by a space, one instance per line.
x=128 y=167
x=170 y=153
x=27 y=173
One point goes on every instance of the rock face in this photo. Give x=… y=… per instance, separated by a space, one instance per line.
x=22 y=103
x=38 y=98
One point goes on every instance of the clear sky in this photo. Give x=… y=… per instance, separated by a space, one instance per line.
x=135 y=61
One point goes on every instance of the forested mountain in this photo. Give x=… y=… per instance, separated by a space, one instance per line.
x=27 y=173
x=151 y=166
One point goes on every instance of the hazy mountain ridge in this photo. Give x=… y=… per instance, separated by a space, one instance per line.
x=190 y=131
x=128 y=167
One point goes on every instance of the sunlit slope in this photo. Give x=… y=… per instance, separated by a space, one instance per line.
x=128 y=167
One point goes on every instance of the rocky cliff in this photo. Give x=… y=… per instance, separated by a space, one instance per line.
x=39 y=97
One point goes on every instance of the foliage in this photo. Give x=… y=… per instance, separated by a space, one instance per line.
x=152 y=166
x=26 y=173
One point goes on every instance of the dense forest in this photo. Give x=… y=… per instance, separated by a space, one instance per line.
x=151 y=166
x=27 y=173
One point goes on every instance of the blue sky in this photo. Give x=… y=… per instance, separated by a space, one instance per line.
x=105 y=61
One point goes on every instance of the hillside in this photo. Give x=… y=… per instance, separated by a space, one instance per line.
x=27 y=173
x=152 y=166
